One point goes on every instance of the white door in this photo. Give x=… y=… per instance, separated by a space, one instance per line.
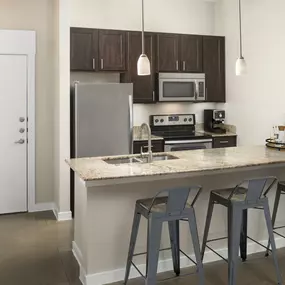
x=13 y=126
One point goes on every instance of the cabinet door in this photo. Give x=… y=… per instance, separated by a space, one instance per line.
x=143 y=85
x=156 y=146
x=112 y=50
x=191 y=53
x=214 y=68
x=83 y=49
x=168 y=53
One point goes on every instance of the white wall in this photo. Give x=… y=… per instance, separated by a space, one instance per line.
x=176 y=16
x=38 y=16
x=255 y=102
x=62 y=109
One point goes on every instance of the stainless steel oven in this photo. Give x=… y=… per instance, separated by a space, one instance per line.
x=179 y=132
x=181 y=87
x=190 y=144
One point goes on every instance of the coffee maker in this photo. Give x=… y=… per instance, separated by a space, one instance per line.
x=214 y=121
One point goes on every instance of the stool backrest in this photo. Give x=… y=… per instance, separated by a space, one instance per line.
x=255 y=188
x=177 y=199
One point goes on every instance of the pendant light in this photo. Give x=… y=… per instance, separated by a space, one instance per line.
x=143 y=65
x=240 y=63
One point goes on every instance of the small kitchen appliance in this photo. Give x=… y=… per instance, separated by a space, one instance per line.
x=179 y=132
x=182 y=87
x=214 y=121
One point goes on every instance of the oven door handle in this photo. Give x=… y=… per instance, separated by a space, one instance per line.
x=188 y=141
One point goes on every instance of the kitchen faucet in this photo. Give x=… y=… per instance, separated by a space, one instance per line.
x=149 y=153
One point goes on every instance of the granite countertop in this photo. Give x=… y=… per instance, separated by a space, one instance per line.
x=230 y=131
x=226 y=134
x=188 y=162
x=142 y=136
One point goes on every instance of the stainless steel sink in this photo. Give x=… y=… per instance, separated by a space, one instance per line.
x=144 y=159
x=158 y=158
x=121 y=160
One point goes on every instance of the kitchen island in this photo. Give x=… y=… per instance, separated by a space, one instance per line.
x=105 y=195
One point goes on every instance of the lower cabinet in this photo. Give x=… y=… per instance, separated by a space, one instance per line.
x=157 y=146
x=226 y=141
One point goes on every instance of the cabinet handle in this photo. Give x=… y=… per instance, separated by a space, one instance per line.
x=223 y=142
x=177 y=65
x=102 y=63
x=153 y=96
x=144 y=147
x=184 y=65
x=94 y=63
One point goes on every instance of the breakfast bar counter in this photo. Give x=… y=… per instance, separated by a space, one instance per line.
x=106 y=189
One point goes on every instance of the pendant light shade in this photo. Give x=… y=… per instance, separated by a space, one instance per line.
x=240 y=63
x=240 y=66
x=143 y=65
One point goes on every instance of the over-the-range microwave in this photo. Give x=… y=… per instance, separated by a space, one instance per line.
x=181 y=87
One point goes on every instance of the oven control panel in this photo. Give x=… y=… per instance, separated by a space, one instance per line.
x=173 y=120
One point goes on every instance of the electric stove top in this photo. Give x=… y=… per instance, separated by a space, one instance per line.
x=176 y=127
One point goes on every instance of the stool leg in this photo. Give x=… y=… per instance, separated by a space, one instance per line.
x=274 y=214
x=272 y=241
x=153 y=245
x=243 y=236
x=196 y=245
x=173 y=227
x=234 y=225
x=135 y=228
x=207 y=225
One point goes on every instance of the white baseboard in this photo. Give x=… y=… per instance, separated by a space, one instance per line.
x=62 y=216
x=40 y=207
x=78 y=256
x=163 y=265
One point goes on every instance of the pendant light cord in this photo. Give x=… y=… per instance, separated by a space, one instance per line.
x=143 y=50
x=240 y=30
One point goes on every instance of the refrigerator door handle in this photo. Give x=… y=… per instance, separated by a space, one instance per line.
x=131 y=122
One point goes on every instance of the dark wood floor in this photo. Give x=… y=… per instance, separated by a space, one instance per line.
x=36 y=250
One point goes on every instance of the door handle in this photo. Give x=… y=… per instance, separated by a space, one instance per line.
x=196 y=90
x=20 y=141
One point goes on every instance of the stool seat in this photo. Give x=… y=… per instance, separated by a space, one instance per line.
x=156 y=205
x=238 y=194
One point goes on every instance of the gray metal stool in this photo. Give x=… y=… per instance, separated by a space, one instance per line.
x=170 y=208
x=250 y=194
x=280 y=191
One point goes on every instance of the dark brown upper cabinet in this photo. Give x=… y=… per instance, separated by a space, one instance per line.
x=83 y=49
x=191 y=53
x=144 y=86
x=214 y=68
x=168 y=53
x=112 y=50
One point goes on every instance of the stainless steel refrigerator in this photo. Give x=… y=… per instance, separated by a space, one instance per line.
x=101 y=121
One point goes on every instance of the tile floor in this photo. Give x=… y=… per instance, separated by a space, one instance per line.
x=36 y=250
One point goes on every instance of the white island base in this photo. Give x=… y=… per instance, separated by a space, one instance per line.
x=104 y=212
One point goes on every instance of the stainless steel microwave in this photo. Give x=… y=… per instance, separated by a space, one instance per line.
x=181 y=87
